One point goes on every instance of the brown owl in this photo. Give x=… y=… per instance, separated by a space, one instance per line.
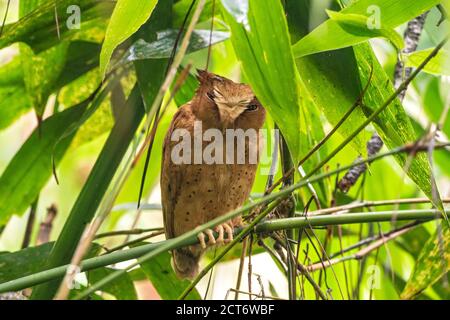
x=212 y=173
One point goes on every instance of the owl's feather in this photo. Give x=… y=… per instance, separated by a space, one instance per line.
x=193 y=194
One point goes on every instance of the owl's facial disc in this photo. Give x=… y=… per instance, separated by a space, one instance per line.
x=231 y=104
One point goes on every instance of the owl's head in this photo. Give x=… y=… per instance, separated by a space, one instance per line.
x=235 y=103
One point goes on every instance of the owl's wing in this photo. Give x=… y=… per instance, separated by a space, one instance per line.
x=172 y=174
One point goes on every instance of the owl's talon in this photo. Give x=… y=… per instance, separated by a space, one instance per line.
x=201 y=239
x=229 y=231
x=220 y=239
x=211 y=239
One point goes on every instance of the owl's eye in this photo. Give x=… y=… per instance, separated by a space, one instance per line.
x=252 y=107
x=210 y=95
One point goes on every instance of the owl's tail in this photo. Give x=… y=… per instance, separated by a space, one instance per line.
x=185 y=262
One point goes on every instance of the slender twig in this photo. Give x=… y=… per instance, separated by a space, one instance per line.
x=135 y=241
x=369 y=204
x=241 y=268
x=125 y=232
x=30 y=224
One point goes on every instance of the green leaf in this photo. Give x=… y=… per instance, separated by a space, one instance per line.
x=332 y=34
x=14 y=265
x=122 y=288
x=127 y=18
x=332 y=80
x=14 y=101
x=150 y=82
x=432 y=264
x=261 y=41
x=38 y=28
x=160 y=273
x=163 y=46
x=357 y=24
x=31 y=167
x=24 y=262
x=41 y=72
x=393 y=124
x=439 y=65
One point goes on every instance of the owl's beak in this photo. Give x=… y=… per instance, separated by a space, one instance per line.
x=229 y=113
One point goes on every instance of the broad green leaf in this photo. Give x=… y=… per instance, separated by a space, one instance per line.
x=38 y=29
x=357 y=24
x=160 y=273
x=127 y=18
x=261 y=41
x=122 y=288
x=24 y=262
x=439 y=65
x=14 y=100
x=163 y=46
x=393 y=124
x=41 y=72
x=432 y=264
x=31 y=167
x=14 y=265
x=331 y=79
x=332 y=35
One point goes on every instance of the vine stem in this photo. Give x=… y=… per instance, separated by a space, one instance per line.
x=263 y=227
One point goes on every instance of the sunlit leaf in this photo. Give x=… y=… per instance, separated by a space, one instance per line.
x=332 y=35
x=439 y=65
x=127 y=18
x=357 y=24
x=40 y=31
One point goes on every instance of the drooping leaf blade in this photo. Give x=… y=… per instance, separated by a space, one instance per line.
x=127 y=18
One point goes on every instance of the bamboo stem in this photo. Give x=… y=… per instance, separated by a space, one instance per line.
x=268 y=226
